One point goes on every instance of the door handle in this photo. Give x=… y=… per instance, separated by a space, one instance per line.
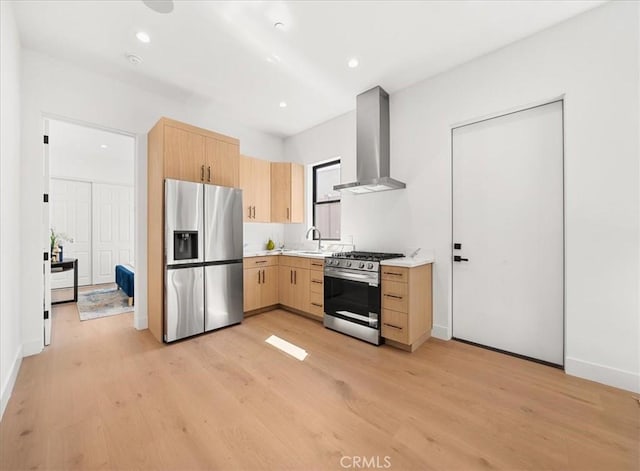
x=393 y=296
x=393 y=326
x=291 y=276
x=458 y=258
x=287 y=214
x=295 y=277
x=258 y=276
x=316 y=304
x=249 y=212
x=202 y=172
x=263 y=276
x=209 y=173
x=254 y=212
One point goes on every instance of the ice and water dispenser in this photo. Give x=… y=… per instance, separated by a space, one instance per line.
x=185 y=245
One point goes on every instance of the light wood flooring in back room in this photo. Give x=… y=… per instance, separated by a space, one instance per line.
x=106 y=396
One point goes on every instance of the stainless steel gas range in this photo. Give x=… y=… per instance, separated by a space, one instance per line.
x=352 y=295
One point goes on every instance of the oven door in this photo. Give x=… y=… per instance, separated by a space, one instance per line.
x=353 y=296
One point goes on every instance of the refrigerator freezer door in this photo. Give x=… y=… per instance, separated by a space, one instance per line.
x=223 y=295
x=183 y=216
x=184 y=298
x=223 y=223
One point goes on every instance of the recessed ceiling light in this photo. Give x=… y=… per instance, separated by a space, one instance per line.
x=283 y=104
x=104 y=146
x=159 y=6
x=135 y=60
x=278 y=25
x=353 y=63
x=143 y=37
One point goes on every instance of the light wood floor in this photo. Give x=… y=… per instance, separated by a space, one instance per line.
x=106 y=396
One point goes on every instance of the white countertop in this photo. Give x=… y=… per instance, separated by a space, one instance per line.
x=407 y=262
x=289 y=253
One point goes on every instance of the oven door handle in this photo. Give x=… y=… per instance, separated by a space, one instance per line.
x=352 y=315
x=352 y=277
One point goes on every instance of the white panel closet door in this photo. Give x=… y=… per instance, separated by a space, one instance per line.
x=508 y=216
x=112 y=230
x=70 y=206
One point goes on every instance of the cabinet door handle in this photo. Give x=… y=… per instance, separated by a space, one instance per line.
x=202 y=173
x=287 y=214
x=316 y=281
x=261 y=261
x=209 y=173
x=392 y=273
x=249 y=212
x=291 y=276
x=393 y=296
x=258 y=277
x=316 y=304
x=316 y=264
x=254 y=212
x=295 y=277
x=263 y=276
x=393 y=326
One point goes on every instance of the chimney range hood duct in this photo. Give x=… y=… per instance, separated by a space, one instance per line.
x=372 y=145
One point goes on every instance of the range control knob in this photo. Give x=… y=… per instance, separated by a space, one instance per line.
x=361 y=265
x=348 y=264
x=369 y=266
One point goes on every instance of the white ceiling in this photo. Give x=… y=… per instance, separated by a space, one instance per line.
x=217 y=50
x=73 y=145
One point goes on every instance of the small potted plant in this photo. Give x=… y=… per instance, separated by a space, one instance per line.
x=56 y=247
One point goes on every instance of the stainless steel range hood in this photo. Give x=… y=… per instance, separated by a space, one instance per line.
x=372 y=145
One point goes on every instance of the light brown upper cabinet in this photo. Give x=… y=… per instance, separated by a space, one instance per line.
x=255 y=181
x=222 y=162
x=198 y=155
x=287 y=192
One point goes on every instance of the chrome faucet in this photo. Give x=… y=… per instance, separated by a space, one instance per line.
x=314 y=228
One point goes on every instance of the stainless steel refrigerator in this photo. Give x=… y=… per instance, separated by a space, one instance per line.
x=203 y=258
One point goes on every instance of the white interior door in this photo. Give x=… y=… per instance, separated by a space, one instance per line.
x=508 y=217
x=70 y=205
x=112 y=230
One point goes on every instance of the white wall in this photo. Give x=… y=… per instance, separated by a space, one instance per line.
x=10 y=246
x=592 y=60
x=56 y=88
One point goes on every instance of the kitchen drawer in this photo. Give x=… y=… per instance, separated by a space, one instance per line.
x=316 y=282
x=316 y=264
x=395 y=326
x=394 y=296
x=316 y=304
x=258 y=262
x=395 y=274
x=294 y=262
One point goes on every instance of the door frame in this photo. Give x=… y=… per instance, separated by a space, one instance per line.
x=139 y=157
x=563 y=100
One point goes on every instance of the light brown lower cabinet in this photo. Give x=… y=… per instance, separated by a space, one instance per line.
x=294 y=287
x=260 y=283
x=407 y=312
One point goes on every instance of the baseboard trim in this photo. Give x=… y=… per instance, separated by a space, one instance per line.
x=440 y=332
x=7 y=387
x=603 y=374
x=32 y=348
x=140 y=322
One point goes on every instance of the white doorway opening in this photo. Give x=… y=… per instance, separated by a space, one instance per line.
x=89 y=181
